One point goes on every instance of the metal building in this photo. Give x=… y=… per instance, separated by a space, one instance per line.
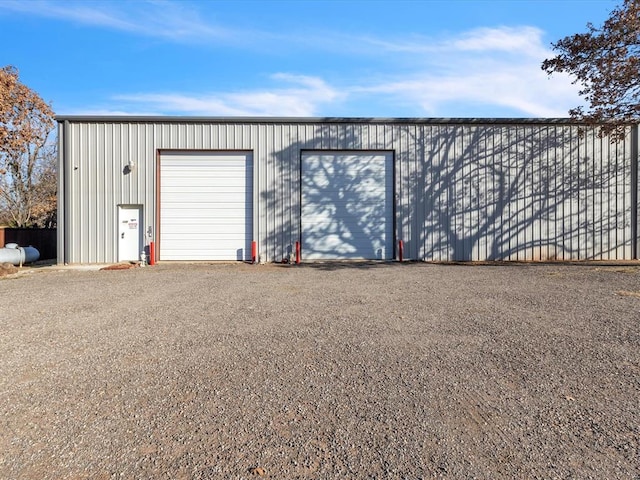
x=449 y=189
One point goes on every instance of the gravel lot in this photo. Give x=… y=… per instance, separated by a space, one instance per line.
x=321 y=371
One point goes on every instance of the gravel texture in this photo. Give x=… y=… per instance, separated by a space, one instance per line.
x=411 y=371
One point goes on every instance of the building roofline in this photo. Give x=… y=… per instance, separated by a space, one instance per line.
x=310 y=120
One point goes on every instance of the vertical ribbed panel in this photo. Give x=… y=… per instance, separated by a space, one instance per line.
x=635 y=200
x=524 y=192
x=462 y=191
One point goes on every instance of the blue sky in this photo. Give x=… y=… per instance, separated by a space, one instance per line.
x=453 y=58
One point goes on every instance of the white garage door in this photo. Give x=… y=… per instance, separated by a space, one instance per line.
x=347 y=205
x=206 y=201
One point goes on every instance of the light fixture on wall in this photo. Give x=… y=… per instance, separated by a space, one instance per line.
x=128 y=168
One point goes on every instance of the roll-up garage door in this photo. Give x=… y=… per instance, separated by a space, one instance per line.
x=347 y=205
x=206 y=201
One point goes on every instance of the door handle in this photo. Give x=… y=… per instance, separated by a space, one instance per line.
x=122 y=235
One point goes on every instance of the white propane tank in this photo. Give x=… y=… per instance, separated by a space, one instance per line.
x=17 y=255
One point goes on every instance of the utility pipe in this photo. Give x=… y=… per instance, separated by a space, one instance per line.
x=152 y=253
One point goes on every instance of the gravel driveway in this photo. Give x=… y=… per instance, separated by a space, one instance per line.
x=321 y=371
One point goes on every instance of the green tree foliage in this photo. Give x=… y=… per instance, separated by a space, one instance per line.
x=27 y=159
x=605 y=62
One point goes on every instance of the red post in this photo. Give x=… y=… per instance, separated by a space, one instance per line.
x=297 y=252
x=152 y=253
x=400 y=250
x=254 y=252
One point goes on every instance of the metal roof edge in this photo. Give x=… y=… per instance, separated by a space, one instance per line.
x=308 y=120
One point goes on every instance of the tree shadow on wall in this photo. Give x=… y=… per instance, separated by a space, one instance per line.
x=347 y=211
x=527 y=192
x=462 y=192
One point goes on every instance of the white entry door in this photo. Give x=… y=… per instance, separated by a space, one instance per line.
x=129 y=232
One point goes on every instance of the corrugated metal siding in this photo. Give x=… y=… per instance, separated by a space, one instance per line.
x=463 y=191
x=523 y=193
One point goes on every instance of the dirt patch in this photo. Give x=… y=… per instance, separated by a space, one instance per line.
x=625 y=293
x=7 y=269
x=121 y=266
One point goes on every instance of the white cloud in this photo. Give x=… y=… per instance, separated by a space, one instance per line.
x=520 y=40
x=158 y=18
x=498 y=68
x=524 y=91
x=523 y=40
x=488 y=69
x=304 y=97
